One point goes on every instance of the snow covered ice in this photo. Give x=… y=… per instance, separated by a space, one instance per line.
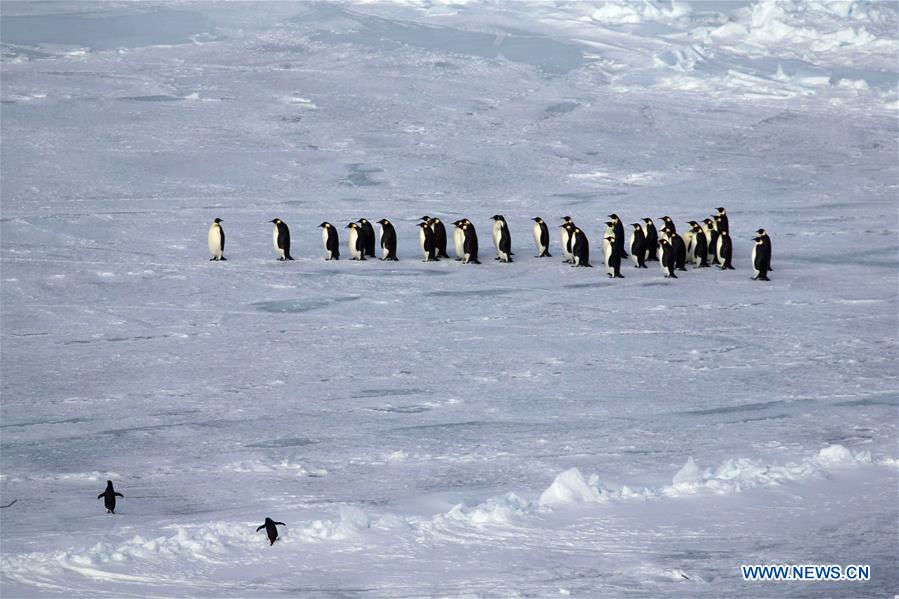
x=438 y=429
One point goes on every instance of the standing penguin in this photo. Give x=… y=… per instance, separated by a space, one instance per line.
x=761 y=257
x=388 y=240
x=469 y=242
x=619 y=234
x=712 y=237
x=679 y=248
x=216 y=239
x=638 y=246
x=725 y=251
x=689 y=238
x=459 y=239
x=439 y=231
x=367 y=233
x=580 y=246
x=700 y=247
x=281 y=239
x=356 y=241
x=612 y=257
x=426 y=241
x=652 y=240
x=669 y=224
x=271 y=530
x=109 y=496
x=502 y=239
x=330 y=241
x=721 y=218
x=666 y=258
x=565 y=238
x=764 y=235
x=541 y=237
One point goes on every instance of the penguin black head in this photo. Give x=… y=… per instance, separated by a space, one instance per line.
x=109 y=483
x=614 y=217
x=709 y=222
x=275 y=220
x=635 y=226
x=217 y=221
x=667 y=219
x=692 y=223
x=362 y=221
x=425 y=218
x=498 y=217
x=383 y=221
x=422 y=225
x=758 y=240
x=567 y=219
x=647 y=220
x=610 y=224
x=537 y=219
x=720 y=210
x=761 y=232
x=351 y=226
x=325 y=225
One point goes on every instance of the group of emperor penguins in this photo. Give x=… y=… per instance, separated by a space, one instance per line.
x=702 y=245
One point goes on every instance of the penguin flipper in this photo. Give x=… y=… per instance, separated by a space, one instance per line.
x=100 y=495
x=260 y=528
x=117 y=494
x=281 y=523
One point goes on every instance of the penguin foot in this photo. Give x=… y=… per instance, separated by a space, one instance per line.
x=619 y=276
x=223 y=258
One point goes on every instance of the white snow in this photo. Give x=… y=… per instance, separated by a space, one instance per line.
x=439 y=429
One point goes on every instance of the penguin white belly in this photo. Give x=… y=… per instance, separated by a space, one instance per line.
x=755 y=271
x=278 y=250
x=459 y=242
x=384 y=250
x=421 y=242
x=606 y=254
x=215 y=241
x=537 y=234
x=718 y=246
x=634 y=256
x=497 y=234
x=688 y=243
x=325 y=242
x=564 y=237
x=351 y=244
x=662 y=261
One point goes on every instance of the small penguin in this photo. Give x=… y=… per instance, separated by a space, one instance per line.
x=565 y=238
x=764 y=235
x=725 y=251
x=109 y=496
x=541 y=237
x=712 y=236
x=356 y=241
x=426 y=241
x=330 y=241
x=281 y=239
x=619 y=235
x=469 y=242
x=638 y=246
x=271 y=530
x=700 y=247
x=666 y=259
x=652 y=240
x=388 y=240
x=216 y=239
x=721 y=217
x=580 y=247
x=459 y=239
x=612 y=257
x=502 y=239
x=439 y=231
x=760 y=260
x=367 y=233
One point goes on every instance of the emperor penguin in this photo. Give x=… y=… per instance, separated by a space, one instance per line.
x=216 y=239
x=764 y=235
x=388 y=240
x=725 y=251
x=679 y=248
x=618 y=234
x=580 y=246
x=426 y=241
x=666 y=259
x=367 y=233
x=281 y=239
x=439 y=231
x=541 y=237
x=565 y=238
x=652 y=240
x=700 y=247
x=669 y=223
x=721 y=217
x=502 y=239
x=688 y=242
x=330 y=241
x=109 y=496
x=760 y=260
x=612 y=257
x=356 y=241
x=469 y=242
x=271 y=530
x=712 y=236
x=459 y=239
x=638 y=246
